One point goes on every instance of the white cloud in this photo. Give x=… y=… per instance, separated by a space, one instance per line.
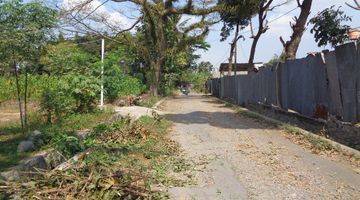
x=96 y=10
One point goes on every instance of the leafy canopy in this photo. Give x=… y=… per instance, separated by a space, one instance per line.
x=66 y=57
x=236 y=12
x=24 y=28
x=328 y=28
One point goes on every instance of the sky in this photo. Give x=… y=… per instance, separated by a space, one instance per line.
x=269 y=43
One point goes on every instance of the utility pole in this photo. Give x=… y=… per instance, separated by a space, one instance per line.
x=102 y=72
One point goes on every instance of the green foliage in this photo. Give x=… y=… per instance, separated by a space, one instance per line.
x=149 y=101
x=122 y=85
x=66 y=57
x=56 y=101
x=328 y=28
x=72 y=93
x=198 y=79
x=236 y=12
x=205 y=67
x=67 y=144
x=36 y=85
x=12 y=134
x=116 y=82
x=85 y=90
x=25 y=28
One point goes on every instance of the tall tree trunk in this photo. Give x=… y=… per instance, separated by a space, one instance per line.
x=232 y=49
x=19 y=96
x=291 y=46
x=263 y=27
x=157 y=78
x=253 y=49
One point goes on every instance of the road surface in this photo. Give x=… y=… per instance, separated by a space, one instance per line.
x=239 y=158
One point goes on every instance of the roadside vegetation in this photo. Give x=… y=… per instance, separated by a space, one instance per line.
x=122 y=159
x=50 y=85
x=54 y=135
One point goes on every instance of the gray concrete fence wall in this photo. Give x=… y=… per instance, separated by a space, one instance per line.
x=327 y=82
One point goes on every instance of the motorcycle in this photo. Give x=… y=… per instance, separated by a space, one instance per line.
x=185 y=90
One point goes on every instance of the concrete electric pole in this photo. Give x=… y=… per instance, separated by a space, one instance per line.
x=102 y=72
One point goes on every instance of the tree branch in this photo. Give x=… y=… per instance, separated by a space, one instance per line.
x=356 y=3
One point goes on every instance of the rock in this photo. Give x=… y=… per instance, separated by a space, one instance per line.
x=54 y=159
x=31 y=164
x=37 y=138
x=25 y=146
x=11 y=175
x=36 y=133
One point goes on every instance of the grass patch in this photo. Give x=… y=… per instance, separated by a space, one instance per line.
x=124 y=160
x=11 y=134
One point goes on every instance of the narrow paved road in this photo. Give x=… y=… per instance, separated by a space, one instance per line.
x=238 y=158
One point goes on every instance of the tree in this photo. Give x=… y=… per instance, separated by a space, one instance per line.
x=25 y=29
x=205 y=67
x=263 y=8
x=328 y=28
x=291 y=46
x=66 y=57
x=157 y=19
x=235 y=14
x=356 y=6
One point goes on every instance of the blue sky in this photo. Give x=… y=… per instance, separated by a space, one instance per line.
x=269 y=43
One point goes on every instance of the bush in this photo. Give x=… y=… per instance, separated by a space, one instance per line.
x=73 y=93
x=85 y=90
x=198 y=79
x=67 y=144
x=122 y=85
x=56 y=101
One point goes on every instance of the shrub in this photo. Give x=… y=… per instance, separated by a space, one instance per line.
x=198 y=79
x=122 y=85
x=56 y=101
x=85 y=90
x=73 y=93
x=67 y=144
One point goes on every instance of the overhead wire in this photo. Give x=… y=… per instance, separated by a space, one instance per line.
x=269 y=22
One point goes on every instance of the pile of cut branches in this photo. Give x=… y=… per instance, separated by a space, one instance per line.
x=118 y=164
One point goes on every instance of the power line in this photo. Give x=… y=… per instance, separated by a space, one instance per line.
x=271 y=21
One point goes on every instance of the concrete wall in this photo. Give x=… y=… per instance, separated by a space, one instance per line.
x=329 y=81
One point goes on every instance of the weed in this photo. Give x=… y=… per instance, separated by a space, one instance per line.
x=59 y=135
x=123 y=161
